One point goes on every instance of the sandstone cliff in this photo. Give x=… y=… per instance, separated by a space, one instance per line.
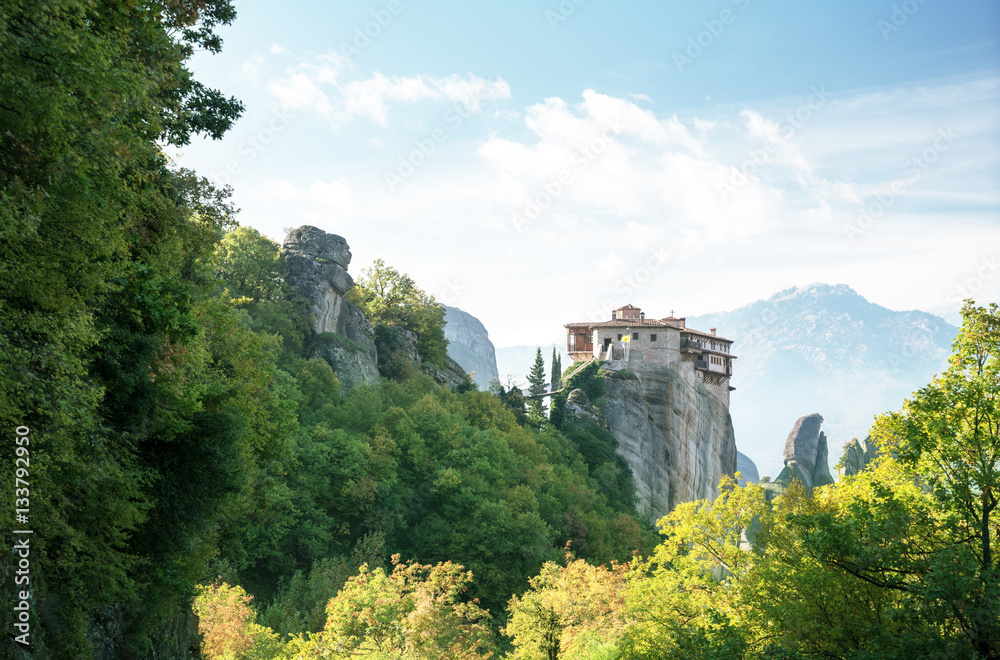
x=317 y=267
x=470 y=346
x=675 y=435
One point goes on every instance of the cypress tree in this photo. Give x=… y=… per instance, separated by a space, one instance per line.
x=536 y=387
x=556 y=370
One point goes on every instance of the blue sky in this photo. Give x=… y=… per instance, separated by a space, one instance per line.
x=542 y=162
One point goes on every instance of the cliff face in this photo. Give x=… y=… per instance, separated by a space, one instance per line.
x=317 y=267
x=747 y=469
x=470 y=346
x=675 y=435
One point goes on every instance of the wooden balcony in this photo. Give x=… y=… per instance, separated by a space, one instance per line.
x=579 y=343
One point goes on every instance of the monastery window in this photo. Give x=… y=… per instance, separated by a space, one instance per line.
x=652 y=337
x=635 y=335
x=619 y=337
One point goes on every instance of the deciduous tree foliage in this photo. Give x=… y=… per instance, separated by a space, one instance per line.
x=414 y=612
x=575 y=610
x=101 y=326
x=389 y=297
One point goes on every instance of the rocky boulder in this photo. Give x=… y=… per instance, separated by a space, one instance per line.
x=317 y=267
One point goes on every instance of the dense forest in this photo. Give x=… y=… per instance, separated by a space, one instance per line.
x=198 y=486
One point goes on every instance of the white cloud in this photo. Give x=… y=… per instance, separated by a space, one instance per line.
x=250 y=68
x=282 y=190
x=606 y=155
x=320 y=84
x=653 y=184
x=277 y=49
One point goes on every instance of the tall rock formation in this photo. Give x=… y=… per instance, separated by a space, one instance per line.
x=747 y=469
x=470 y=346
x=675 y=435
x=806 y=454
x=857 y=455
x=317 y=267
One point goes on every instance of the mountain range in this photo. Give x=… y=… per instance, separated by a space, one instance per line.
x=823 y=349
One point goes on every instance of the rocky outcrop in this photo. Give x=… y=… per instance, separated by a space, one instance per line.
x=398 y=358
x=857 y=455
x=806 y=454
x=451 y=376
x=470 y=346
x=747 y=469
x=675 y=435
x=317 y=267
x=578 y=406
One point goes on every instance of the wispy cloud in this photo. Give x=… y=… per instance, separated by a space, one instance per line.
x=320 y=84
x=642 y=179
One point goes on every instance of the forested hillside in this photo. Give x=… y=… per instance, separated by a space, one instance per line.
x=156 y=356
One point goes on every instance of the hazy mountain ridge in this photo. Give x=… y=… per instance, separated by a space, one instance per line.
x=823 y=348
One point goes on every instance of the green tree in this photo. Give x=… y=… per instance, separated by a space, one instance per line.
x=948 y=434
x=251 y=264
x=571 y=611
x=556 y=379
x=536 y=388
x=414 y=613
x=101 y=270
x=389 y=297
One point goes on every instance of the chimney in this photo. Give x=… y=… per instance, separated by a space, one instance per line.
x=683 y=321
x=614 y=315
x=642 y=315
x=713 y=332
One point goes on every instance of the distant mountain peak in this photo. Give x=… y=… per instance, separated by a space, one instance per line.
x=816 y=290
x=823 y=347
